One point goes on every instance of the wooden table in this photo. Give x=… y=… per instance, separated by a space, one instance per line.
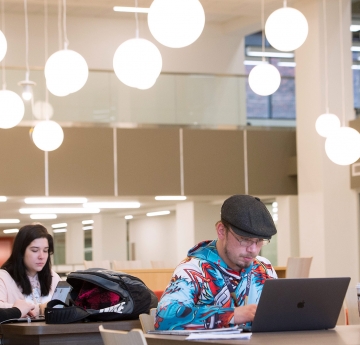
x=341 y=335
x=159 y=278
x=39 y=333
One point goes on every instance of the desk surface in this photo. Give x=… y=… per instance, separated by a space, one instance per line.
x=40 y=333
x=341 y=335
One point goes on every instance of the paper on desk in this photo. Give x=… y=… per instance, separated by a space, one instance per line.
x=219 y=336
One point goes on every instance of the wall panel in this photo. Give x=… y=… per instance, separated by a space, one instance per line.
x=269 y=154
x=83 y=164
x=22 y=164
x=213 y=162
x=148 y=161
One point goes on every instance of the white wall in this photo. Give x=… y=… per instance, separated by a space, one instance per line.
x=155 y=239
x=205 y=218
x=98 y=38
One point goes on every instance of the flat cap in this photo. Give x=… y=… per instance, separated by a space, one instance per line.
x=248 y=216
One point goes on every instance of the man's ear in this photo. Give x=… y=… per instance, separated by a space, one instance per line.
x=221 y=230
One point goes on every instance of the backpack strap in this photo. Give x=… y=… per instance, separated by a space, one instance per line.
x=65 y=314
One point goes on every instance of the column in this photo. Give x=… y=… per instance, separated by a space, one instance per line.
x=288 y=228
x=195 y=222
x=328 y=208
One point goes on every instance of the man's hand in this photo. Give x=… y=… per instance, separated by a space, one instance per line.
x=24 y=307
x=244 y=314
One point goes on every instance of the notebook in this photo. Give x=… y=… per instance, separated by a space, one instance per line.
x=300 y=304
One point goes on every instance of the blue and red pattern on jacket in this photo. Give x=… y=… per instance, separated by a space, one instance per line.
x=197 y=296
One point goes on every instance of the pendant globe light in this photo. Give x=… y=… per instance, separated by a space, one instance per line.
x=264 y=79
x=176 y=23
x=286 y=29
x=137 y=62
x=47 y=135
x=3 y=45
x=326 y=123
x=12 y=107
x=66 y=71
x=342 y=146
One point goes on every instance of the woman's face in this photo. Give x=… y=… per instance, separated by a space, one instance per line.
x=36 y=255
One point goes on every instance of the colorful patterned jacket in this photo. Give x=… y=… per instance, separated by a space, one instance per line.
x=198 y=297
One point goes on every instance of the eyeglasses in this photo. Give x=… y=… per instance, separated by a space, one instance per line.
x=247 y=243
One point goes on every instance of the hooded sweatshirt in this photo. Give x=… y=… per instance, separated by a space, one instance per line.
x=198 y=296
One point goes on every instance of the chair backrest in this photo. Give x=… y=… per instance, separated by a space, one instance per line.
x=158 y=264
x=126 y=264
x=147 y=322
x=97 y=264
x=111 y=337
x=298 y=267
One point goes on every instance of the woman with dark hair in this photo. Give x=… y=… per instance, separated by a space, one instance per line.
x=27 y=273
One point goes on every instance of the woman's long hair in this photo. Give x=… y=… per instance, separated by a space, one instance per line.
x=15 y=264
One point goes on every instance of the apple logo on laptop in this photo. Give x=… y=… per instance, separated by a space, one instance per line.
x=301 y=304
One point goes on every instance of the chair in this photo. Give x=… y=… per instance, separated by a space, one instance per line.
x=97 y=264
x=147 y=320
x=158 y=264
x=298 y=267
x=126 y=265
x=112 y=337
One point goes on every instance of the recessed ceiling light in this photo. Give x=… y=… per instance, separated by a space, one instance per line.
x=10 y=231
x=87 y=222
x=159 y=213
x=43 y=216
x=129 y=217
x=87 y=227
x=112 y=204
x=59 y=230
x=65 y=210
x=169 y=197
x=3 y=198
x=131 y=9
x=9 y=221
x=58 y=200
x=59 y=225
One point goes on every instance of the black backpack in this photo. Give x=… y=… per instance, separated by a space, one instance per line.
x=102 y=295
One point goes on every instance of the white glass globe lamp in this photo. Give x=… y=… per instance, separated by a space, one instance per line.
x=343 y=146
x=48 y=135
x=326 y=124
x=3 y=45
x=43 y=110
x=264 y=79
x=176 y=23
x=286 y=29
x=66 y=71
x=137 y=63
x=12 y=109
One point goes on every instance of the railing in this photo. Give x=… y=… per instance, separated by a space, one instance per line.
x=175 y=99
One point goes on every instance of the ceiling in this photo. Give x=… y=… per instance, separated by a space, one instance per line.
x=219 y=11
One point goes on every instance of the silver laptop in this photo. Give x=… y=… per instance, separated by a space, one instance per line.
x=62 y=292
x=300 y=304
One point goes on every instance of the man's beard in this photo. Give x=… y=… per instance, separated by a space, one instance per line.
x=234 y=259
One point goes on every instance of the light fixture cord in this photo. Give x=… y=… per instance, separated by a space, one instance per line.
x=136 y=21
x=3 y=30
x=26 y=41
x=46 y=49
x=59 y=24
x=66 y=41
x=263 y=29
x=325 y=60
x=342 y=63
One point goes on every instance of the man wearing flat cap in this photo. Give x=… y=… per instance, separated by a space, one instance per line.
x=220 y=282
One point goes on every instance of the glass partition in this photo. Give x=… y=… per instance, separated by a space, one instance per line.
x=175 y=99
